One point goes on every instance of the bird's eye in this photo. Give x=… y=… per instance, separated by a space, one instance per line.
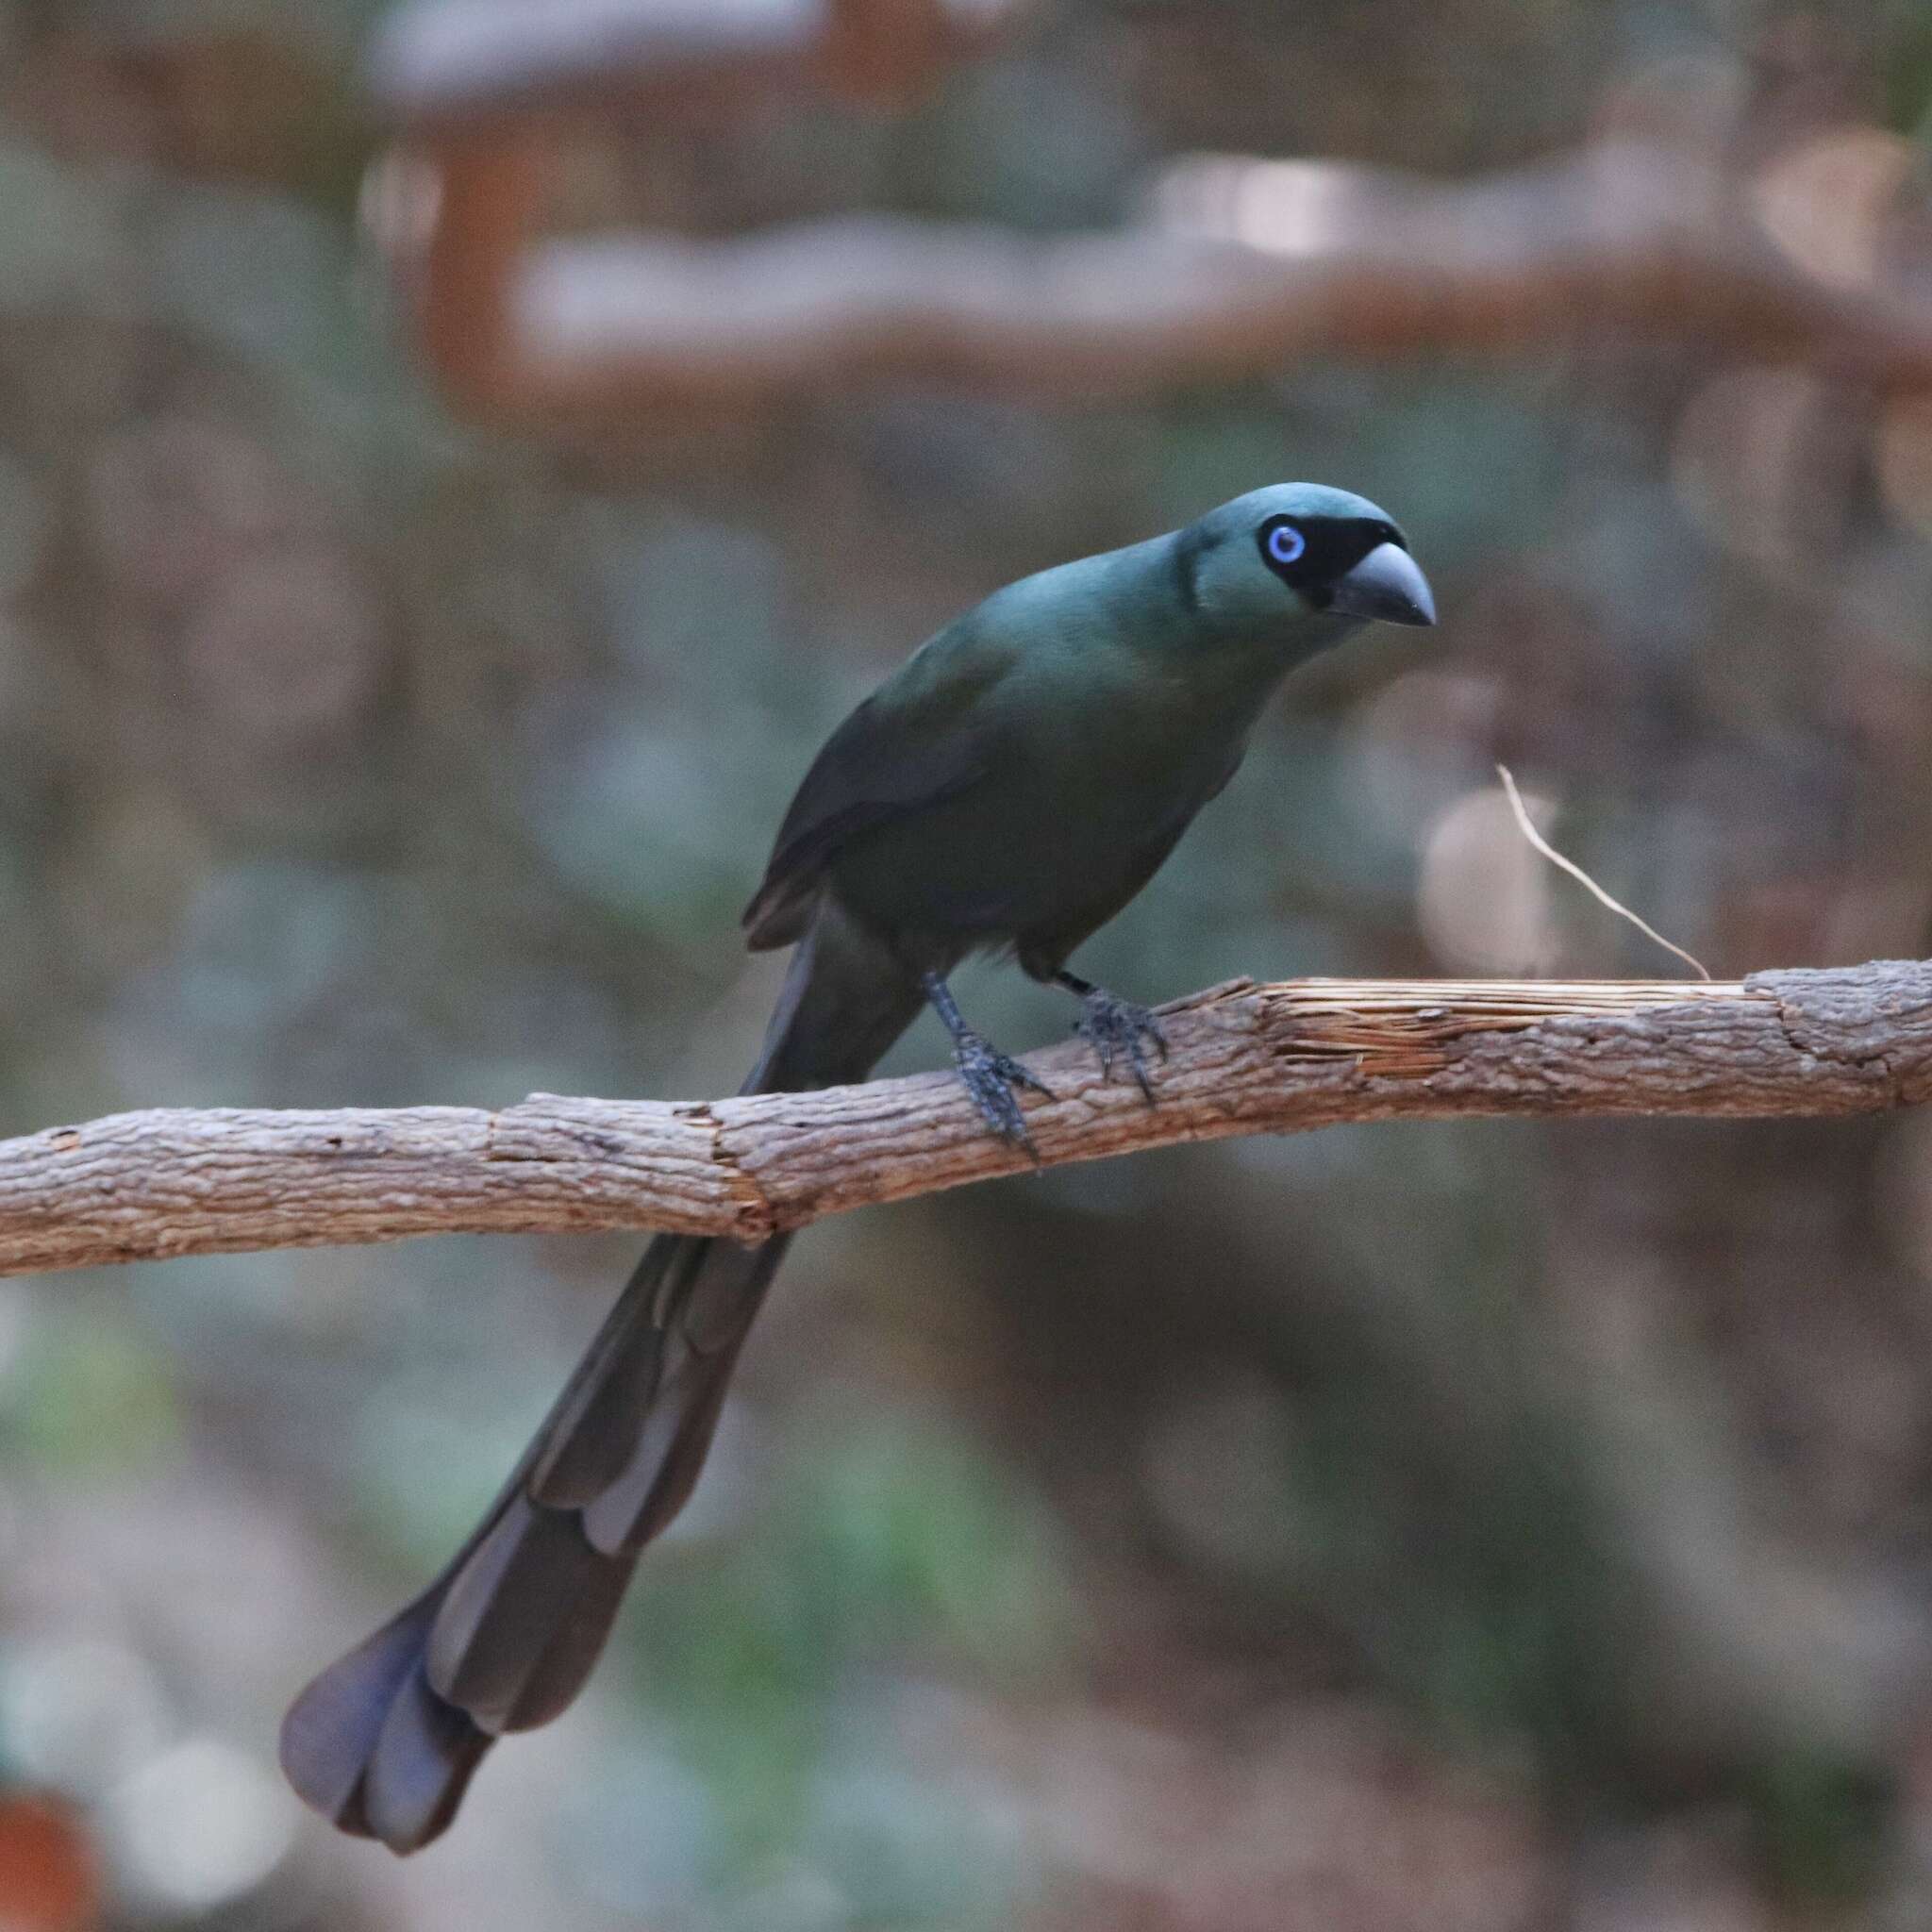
x=1284 y=544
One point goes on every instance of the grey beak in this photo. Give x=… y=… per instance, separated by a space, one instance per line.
x=1385 y=584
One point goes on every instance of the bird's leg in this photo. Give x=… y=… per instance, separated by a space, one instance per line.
x=1115 y=1026
x=990 y=1076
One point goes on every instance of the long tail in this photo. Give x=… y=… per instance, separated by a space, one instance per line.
x=385 y=1741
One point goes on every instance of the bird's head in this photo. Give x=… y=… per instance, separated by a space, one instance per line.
x=1323 y=559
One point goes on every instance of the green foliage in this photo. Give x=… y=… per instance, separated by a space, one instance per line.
x=1824 y=1827
x=86 y=1397
x=784 y=1665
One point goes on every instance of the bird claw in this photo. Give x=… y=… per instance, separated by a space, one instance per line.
x=1119 y=1026
x=993 y=1079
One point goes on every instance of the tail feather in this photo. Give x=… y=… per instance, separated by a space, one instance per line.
x=385 y=1741
x=332 y=1731
x=421 y=1765
x=521 y=1622
x=589 y=1435
x=669 y=1449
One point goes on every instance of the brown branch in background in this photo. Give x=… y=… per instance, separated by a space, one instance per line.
x=1620 y=240
x=1238 y=268
x=1245 y=1059
x=472 y=62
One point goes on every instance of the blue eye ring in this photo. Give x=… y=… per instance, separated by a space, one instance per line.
x=1284 y=543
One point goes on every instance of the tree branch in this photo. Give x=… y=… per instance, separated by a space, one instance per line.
x=1236 y=267
x=1245 y=1059
x=481 y=62
x=1618 y=239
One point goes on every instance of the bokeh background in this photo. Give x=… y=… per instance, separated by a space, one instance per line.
x=1463 y=1527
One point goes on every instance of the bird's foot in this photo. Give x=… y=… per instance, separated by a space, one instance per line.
x=993 y=1079
x=1118 y=1026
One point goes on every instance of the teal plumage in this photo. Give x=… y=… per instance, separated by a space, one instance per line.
x=1012 y=786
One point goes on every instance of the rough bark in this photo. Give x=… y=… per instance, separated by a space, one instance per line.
x=1245 y=1059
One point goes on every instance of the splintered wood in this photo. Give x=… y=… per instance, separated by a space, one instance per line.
x=1404 y=1029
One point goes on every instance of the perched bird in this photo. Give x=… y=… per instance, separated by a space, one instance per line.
x=1012 y=786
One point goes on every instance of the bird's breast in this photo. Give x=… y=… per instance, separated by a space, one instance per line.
x=1074 y=797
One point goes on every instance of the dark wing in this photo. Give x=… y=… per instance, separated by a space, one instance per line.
x=922 y=736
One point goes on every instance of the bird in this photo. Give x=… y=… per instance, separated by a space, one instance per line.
x=1008 y=790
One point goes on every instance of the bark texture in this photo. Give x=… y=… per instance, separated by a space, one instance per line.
x=1245 y=1059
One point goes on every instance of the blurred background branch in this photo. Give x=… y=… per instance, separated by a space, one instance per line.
x=466 y=63
x=1241 y=267
x=1235 y=266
